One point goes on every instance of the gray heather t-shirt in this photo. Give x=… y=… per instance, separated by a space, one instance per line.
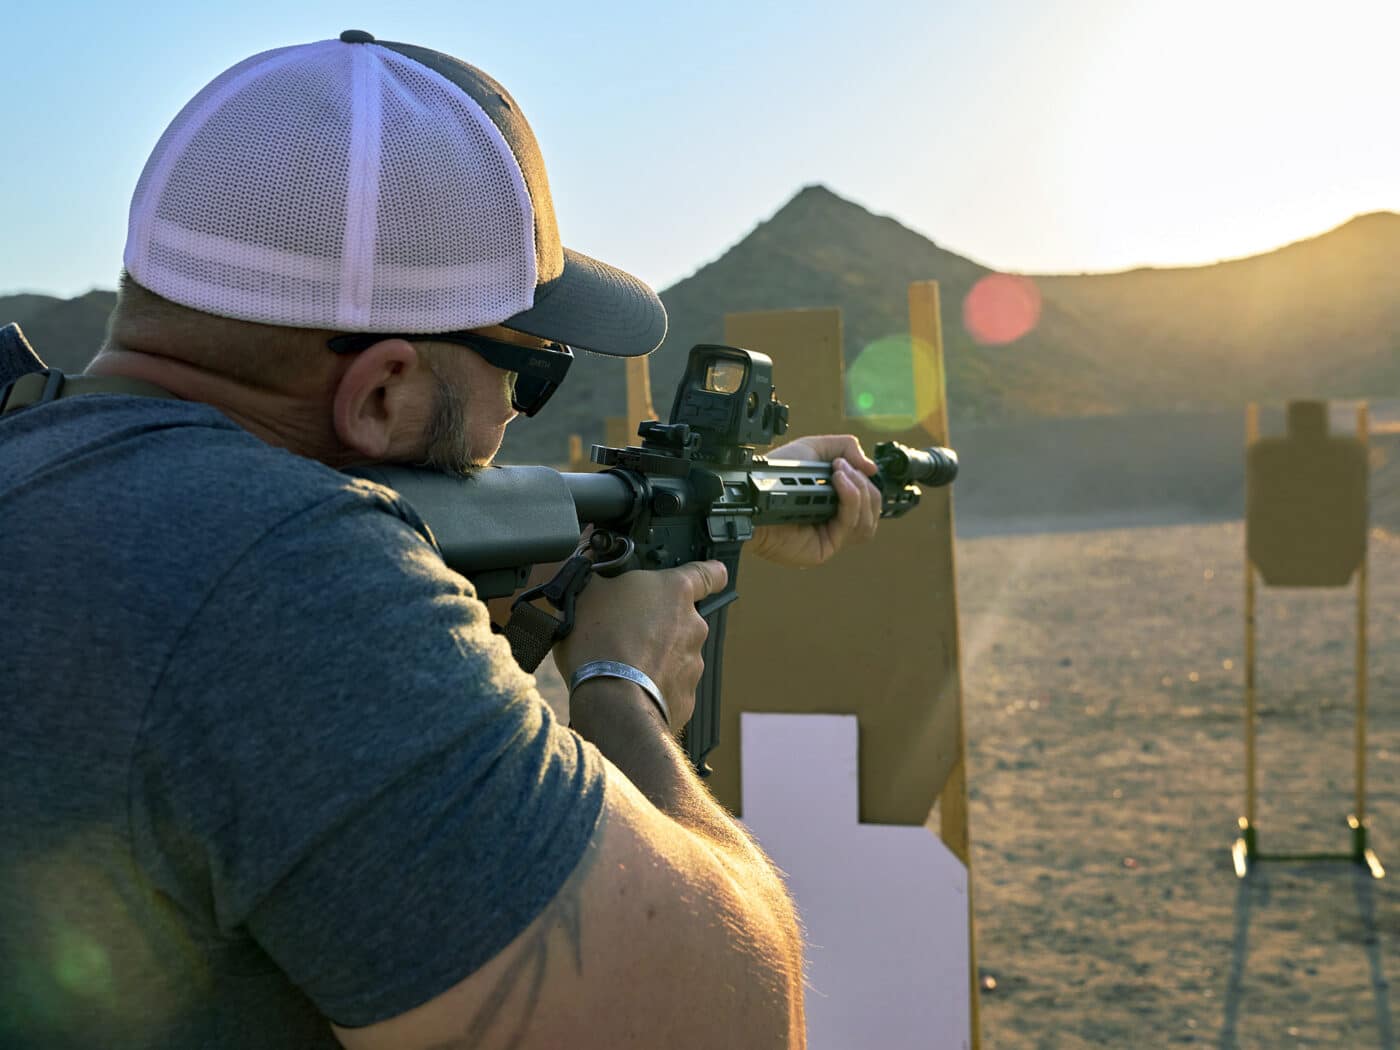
x=262 y=762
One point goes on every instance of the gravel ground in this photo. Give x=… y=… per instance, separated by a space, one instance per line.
x=1103 y=685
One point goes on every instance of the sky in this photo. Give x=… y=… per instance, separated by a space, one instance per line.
x=1035 y=137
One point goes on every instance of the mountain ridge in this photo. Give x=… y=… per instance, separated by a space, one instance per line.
x=1315 y=317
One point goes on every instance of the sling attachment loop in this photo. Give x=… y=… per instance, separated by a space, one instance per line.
x=531 y=630
x=17 y=357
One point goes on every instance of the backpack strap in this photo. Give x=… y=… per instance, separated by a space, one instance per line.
x=37 y=388
x=17 y=357
x=25 y=380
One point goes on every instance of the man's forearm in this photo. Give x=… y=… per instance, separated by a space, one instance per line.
x=620 y=721
x=617 y=718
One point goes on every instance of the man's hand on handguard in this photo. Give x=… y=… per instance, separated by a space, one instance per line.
x=857 y=510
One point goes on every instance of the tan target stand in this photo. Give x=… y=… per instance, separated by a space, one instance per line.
x=842 y=716
x=620 y=431
x=1305 y=526
x=842 y=722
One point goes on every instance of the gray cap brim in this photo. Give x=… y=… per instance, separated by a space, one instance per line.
x=593 y=306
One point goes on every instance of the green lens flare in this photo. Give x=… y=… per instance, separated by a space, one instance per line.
x=81 y=964
x=880 y=384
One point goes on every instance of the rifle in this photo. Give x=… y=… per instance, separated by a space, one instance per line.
x=694 y=489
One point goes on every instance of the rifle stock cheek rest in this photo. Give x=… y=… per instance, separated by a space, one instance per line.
x=494 y=526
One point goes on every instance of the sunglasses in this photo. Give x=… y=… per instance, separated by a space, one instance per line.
x=538 y=369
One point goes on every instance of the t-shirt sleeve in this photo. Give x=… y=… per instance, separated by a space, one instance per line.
x=342 y=761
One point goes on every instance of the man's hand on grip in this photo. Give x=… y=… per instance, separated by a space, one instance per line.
x=647 y=618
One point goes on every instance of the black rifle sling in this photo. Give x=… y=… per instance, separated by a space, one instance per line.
x=531 y=631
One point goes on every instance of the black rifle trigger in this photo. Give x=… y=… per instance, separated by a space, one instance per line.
x=715 y=602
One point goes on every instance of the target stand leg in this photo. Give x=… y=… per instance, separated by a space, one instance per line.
x=1245 y=852
x=1245 y=849
x=1361 y=853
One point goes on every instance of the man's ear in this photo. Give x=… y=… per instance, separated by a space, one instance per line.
x=379 y=398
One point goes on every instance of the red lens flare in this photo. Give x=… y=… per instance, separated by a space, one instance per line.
x=1001 y=308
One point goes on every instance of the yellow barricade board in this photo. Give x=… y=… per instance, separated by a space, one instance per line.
x=874 y=633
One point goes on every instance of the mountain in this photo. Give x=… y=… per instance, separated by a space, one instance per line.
x=65 y=332
x=1317 y=318
x=20 y=308
x=822 y=250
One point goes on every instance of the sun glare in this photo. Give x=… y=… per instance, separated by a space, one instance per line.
x=1210 y=130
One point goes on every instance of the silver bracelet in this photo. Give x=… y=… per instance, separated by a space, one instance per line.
x=614 y=669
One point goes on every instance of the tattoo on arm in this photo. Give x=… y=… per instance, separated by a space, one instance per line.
x=523 y=979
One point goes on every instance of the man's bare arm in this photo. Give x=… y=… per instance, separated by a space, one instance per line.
x=675 y=930
x=662 y=937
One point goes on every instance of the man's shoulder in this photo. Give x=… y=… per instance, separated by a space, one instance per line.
x=180 y=461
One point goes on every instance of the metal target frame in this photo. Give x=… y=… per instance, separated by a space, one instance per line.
x=1245 y=851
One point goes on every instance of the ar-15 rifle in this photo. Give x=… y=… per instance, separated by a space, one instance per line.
x=694 y=489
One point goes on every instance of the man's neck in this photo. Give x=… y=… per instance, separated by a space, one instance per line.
x=294 y=421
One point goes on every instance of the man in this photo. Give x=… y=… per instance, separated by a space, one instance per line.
x=268 y=777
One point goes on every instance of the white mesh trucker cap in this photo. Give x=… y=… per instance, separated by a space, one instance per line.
x=367 y=186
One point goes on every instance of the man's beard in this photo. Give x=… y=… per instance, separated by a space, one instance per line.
x=449 y=444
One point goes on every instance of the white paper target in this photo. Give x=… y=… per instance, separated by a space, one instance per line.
x=884 y=907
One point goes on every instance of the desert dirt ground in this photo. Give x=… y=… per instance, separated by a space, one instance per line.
x=1104 y=694
x=1103 y=686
